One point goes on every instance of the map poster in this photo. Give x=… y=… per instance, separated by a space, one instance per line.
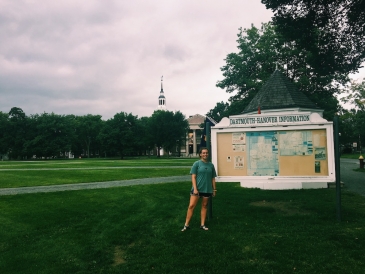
x=238 y=162
x=320 y=153
x=262 y=157
x=292 y=143
x=238 y=138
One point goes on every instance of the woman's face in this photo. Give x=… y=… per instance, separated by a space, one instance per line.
x=204 y=154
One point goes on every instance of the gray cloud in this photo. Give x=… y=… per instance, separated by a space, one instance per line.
x=104 y=57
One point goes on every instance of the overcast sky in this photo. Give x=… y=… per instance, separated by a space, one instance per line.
x=103 y=57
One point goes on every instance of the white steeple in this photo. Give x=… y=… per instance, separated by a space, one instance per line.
x=161 y=98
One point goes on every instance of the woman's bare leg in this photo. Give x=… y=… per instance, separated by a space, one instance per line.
x=193 y=202
x=203 y=212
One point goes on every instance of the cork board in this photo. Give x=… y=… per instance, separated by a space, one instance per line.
x=273 y=153
x=227 y=157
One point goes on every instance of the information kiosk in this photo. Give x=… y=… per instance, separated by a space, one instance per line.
x=288 y=148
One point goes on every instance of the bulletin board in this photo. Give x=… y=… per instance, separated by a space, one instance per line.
x=273 y=153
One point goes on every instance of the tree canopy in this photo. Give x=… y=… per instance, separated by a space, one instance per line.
x=219 y=111
x=330 y=32
x=169 y=129
x=260 y=52
x=52 y=135
x=352 y=122
x=88 y=128
x=118 y=133
x=3 y=128
x=356 y=95
x=49 y=135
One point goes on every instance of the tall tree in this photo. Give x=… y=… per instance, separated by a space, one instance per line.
x=52 y=136
x=4 y=126
x=260 y=51
x=16 y=135
x=168 y=129
x=352 y=128
x=157 y=125
x=87 y=130
x=119 y=133
x=356 y=95
x=330 y=32
x=255 y=60
x=176 y=131
x=353 y=121
x=219 y=111
x=143 y=138
x=347 y=129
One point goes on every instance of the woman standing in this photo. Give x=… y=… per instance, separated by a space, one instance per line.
x=203 y=180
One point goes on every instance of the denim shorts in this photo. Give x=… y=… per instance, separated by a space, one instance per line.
x=201 y=194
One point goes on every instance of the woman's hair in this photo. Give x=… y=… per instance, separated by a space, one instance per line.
x=201 y=149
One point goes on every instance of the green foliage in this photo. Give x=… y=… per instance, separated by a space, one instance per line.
x=168 y=129
x=330 y=33
x=347 y=127
x=246 y=70
x=50 y=135
x=53 y=135
x=87 y=129
x=352 y=128
x=355 y=94
x=143 y=140
x=260 y=51
x=16 y=133
x=4 y=124
x=220 y=111
x=118 y=133
x=352 y=122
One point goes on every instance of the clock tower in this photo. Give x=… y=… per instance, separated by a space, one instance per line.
x=161 y=98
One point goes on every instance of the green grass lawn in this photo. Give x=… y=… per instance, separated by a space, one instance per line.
x=59 y=177
x=42 y=173
x=96 y=163
x=352 y=156
x=136 y=229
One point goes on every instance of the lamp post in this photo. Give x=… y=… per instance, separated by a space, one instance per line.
x=209 y=146
x=337 y=167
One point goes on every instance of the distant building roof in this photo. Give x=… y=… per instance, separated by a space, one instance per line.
x=196 y=120
x=279 y=93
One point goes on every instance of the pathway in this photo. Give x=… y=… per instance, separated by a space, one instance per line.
x=55 y=188
x=353 y=181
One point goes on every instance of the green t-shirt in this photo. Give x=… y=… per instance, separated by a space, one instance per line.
x=205 y=172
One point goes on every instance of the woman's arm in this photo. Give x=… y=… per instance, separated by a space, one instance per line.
x=214 y=187
x=193 y=181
